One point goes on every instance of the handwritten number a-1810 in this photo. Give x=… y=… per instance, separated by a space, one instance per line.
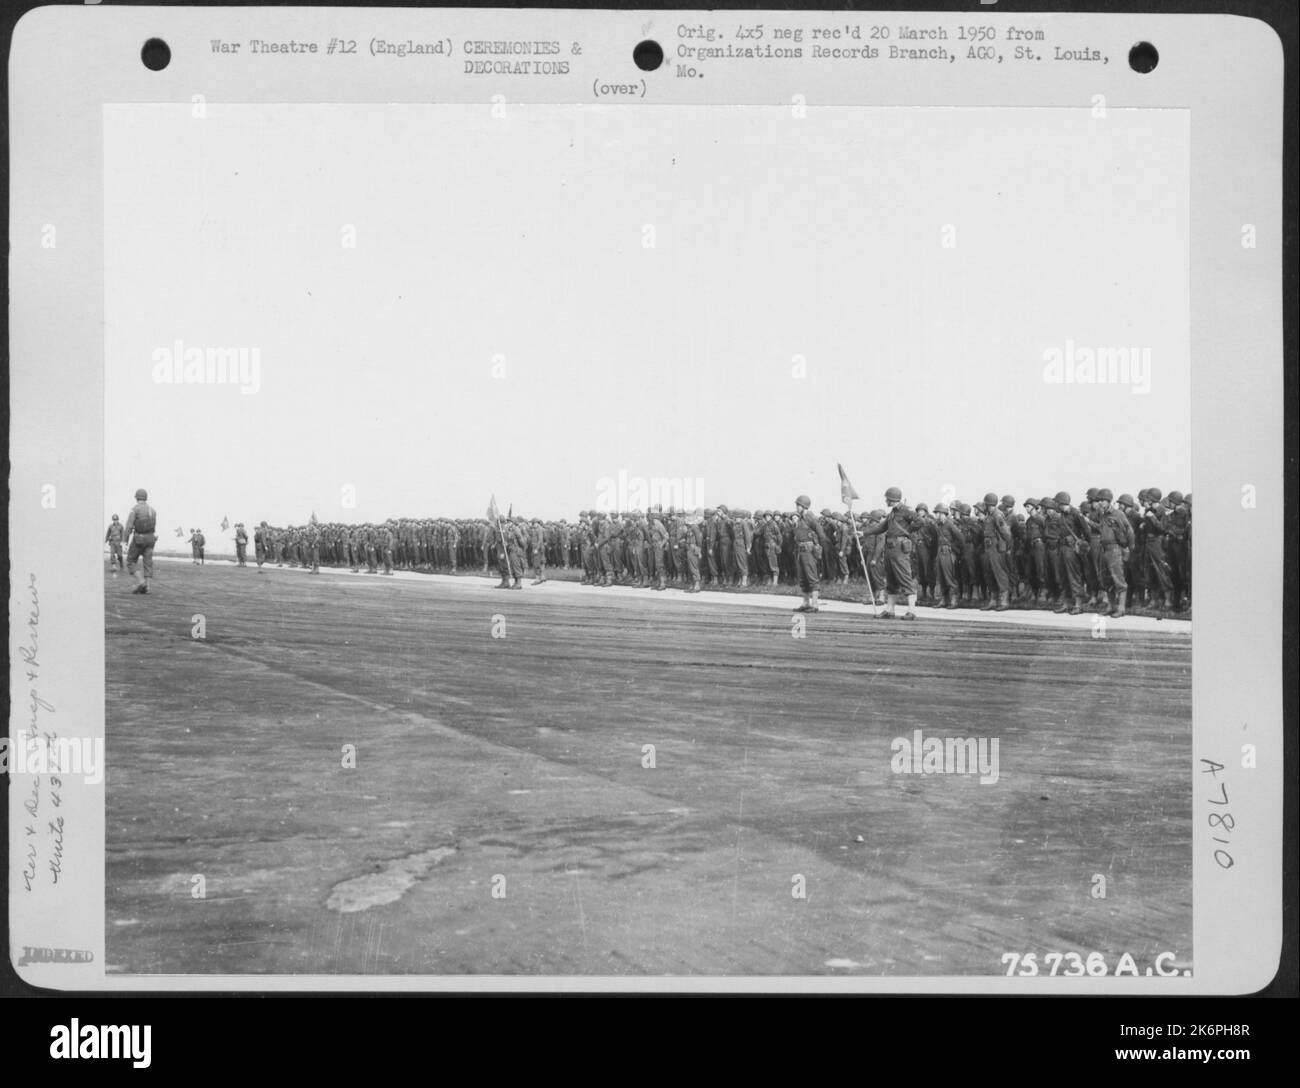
x=1213 y=768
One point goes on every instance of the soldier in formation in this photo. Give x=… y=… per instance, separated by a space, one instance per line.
x=1106 y=554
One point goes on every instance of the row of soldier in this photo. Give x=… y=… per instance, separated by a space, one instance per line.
x=986 y=553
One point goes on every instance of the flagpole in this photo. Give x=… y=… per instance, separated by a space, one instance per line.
x=847 y=493
x=871 y=596
x=505 y=551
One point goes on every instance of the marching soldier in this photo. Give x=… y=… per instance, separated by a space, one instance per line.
x=241 y=544
x=113 y=538
x=141 y=529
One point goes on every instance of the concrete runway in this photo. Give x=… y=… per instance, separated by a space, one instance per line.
x=501 y=818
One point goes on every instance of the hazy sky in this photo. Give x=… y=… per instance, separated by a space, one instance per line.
x=499 y=325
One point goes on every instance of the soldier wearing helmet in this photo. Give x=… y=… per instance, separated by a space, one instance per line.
x=141 y=529
x=949 y=552
x=1153 y=523
x=1072 y=550
x=810 y=543
x=1116 y=537
x=997 y=554
x=113 y=538
x=896 y=528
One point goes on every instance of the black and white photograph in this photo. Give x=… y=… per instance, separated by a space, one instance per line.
x=617 y=521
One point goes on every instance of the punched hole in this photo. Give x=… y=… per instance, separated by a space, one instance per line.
x=648 y=55
x=156 y=54
x=1143 y=57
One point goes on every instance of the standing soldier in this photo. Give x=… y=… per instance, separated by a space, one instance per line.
x=772 y=544
x=241 y=544
x=896 y=528
x=194 y=547
x=311 y=539
x=811 y=543
x=260 y=534
x=949 y=554
x=710 y=545
x=1178 y=546
x=1154 y=521
x=200 y=542
x=113 y=538
x=659 y=550
x=537 y=538
x=1073 y=549
x=1135 y=566
x=141 y=526
x=1036 y=550
x=692 y=544
x=634 y=537
x=453 y=544
x=1092 y=560
x=1116 y=543
x=997 y=546
x=587 y=548
x=923 y=539
x=742 y=539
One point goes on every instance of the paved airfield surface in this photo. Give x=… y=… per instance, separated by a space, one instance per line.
x=500 y=818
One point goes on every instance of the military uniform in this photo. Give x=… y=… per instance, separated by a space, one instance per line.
x=113 y=538
x=810 y=543
x=896 y=529
x=141 y=528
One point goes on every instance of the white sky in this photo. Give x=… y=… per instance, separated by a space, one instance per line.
x=774 y=237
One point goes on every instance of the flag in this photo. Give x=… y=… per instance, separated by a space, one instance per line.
x=225 y=522
x=180 y=531
x=847 y=494
x=511 y=512
x=493 y=513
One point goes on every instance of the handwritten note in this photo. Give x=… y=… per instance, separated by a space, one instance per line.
x=43 y=828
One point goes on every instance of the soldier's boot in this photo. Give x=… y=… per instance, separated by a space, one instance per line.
x=662 y=582
x=744 y=581
x=911 y=605
x=1080 y=602
x=695 y=586
x=643 y=583
x=950 y=601
x=814 y=604
x=888 y=613
x=1004 y=601
x=505 y=583
x=1061 y=605
x=1118 y=613
x=517 y=583
x=987 y=606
